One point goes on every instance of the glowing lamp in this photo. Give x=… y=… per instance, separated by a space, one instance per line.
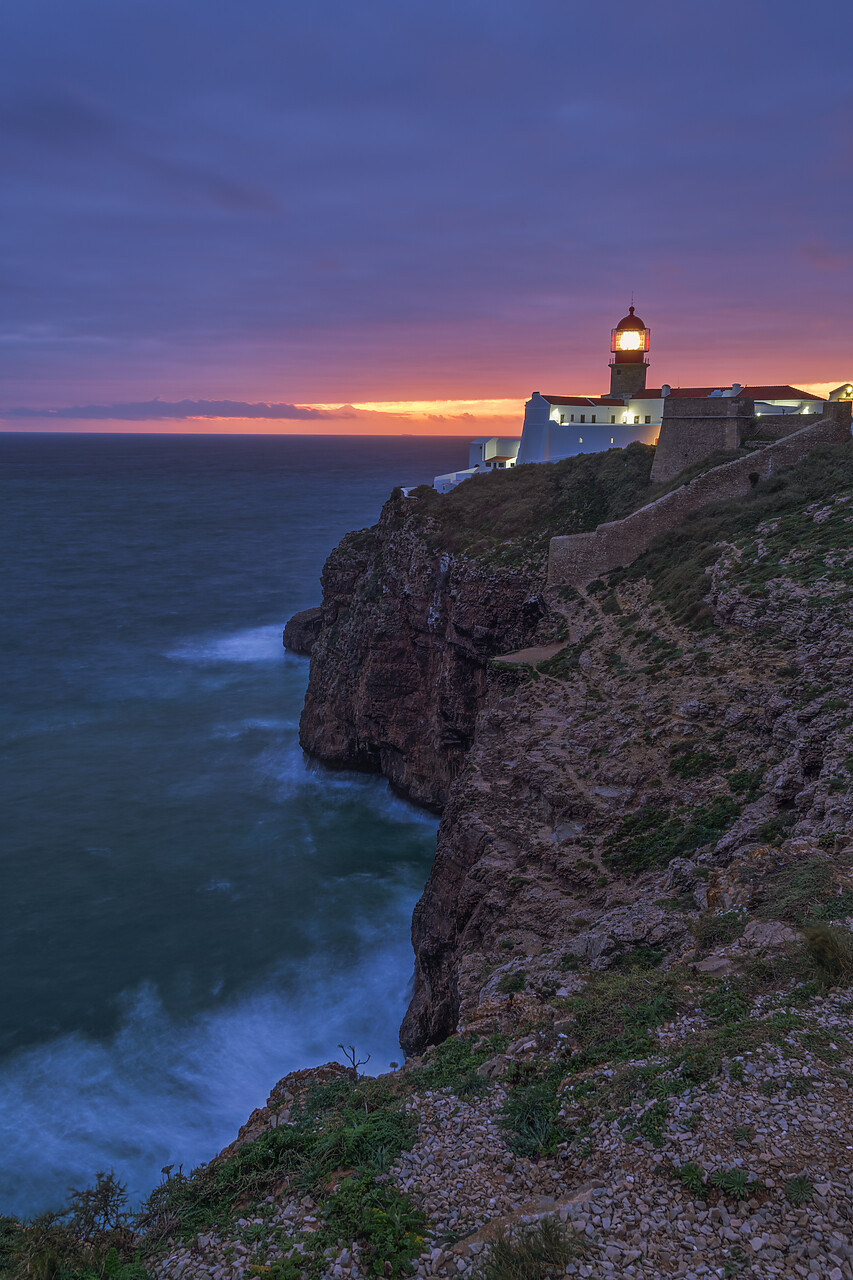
x=629 y=342
x=630 y=337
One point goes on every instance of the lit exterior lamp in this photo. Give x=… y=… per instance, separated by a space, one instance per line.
x=629 y=342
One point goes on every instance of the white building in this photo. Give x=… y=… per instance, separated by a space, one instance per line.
x=561 y=426
x=486 y=453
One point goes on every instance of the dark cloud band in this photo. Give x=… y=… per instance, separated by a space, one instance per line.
x=150 y=410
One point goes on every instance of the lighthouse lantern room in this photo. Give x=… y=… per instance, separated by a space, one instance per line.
x=629 y=342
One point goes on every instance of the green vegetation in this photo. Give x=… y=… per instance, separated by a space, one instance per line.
x=529 y=1116
x=718 y=930
x=689 y=761
x=345 y=1125
x=512 y=982
x=799 y=1190
x=733 y=1183
x=653 y=836
x=831 y=950
x=453 y=1064
x=804 y=892
x=691 y=1177
x=531 y=1252
x=510 y=516
x=675 y=563
x=746 y=783
x=90 y=1239
x=617 y=1011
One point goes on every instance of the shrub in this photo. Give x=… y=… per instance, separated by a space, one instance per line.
x=691 y=1177
x=512 y=982
x=733 y=1183
x=831 y=950
x=90 y=1239
x=653 y=836
x=529 y=1116
x=799 y=1190
x=383 y=1221
x=531 y=1252
x=718 y=930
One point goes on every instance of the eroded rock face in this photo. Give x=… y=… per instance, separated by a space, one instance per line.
x=302 y=630
x=399 y=665
x=591 y=804
x=539 y=868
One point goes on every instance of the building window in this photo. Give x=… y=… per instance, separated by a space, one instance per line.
x=648 y=418
x=572 y=418
x=612 y=418
x=592 y=419
x=612 y=441
x=583 y=417
x=636 y=418
x=580 y=439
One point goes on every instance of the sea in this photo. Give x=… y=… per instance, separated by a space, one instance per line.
x=191 y=907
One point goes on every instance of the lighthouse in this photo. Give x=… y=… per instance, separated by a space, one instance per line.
x=629 y=342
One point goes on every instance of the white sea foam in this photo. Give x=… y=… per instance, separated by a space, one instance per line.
x=165 y=1092
x=254 y=644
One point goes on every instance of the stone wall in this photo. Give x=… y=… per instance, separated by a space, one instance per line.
x=579 y=558
x=693 y=428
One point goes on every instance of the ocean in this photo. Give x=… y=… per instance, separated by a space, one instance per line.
x=191 y=908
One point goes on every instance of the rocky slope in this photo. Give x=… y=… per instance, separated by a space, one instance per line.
x=699 y=706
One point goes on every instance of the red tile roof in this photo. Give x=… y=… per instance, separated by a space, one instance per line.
x=777 y=393
x=584 y=401
x=683 y=393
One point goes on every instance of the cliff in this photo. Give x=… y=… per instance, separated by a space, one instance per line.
x=414 y=608
x=697 y=709
x=399 y=665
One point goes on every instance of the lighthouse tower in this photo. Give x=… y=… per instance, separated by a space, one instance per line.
x=629 y=342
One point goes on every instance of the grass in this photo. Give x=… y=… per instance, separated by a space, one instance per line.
x=718 y=930
x=653 y=836
x=831 y=950
x=529 y=1117
x=531 y=1252
x=357 y=1127
x=453 y=1064
x=510 y=517
x=675 y=563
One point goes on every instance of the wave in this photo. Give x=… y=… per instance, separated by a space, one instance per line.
x=165 y=1092
x=253 y=644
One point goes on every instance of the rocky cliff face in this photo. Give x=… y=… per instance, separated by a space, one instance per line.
x=696 y=716
x=399 y=664
x=604 y=794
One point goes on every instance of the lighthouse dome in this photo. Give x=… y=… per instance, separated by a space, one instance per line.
x=630 y=321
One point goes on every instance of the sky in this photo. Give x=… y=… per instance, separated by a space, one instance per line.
x=263 y=215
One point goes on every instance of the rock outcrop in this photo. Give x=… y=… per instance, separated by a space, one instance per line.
x=399 y=665
x=302 y=630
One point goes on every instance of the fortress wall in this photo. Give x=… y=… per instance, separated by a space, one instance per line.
x=693 y=428
x=773 y=426
x=579 y=558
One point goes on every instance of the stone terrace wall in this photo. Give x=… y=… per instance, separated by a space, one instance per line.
x=579 y=558
x=693 y=428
